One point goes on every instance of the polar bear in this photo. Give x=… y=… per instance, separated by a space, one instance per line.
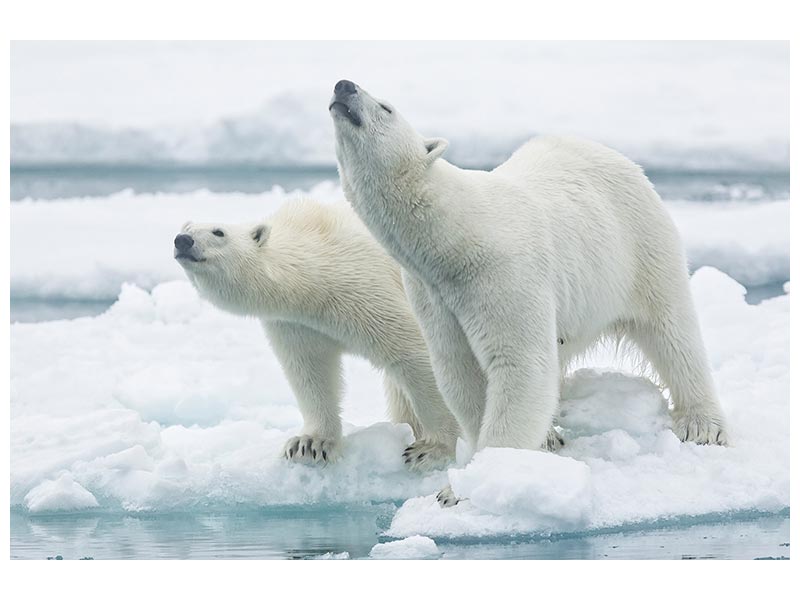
x=322 y=286
x=514 y=271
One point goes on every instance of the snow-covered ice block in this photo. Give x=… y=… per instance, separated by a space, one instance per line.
x=414 y=547
x=505 y=491
x=63 y=494
x=551 y=490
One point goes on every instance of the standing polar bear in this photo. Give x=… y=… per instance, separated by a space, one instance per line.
x=514 y=271
x=322 y=286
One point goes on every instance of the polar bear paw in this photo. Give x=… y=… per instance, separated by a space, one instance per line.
x=311 y=449
x=447 y=497
x=426 y=455
x=700 y=428
x=553 y=442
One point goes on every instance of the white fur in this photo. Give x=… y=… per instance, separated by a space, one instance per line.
x=515 y=271
x=321 y=287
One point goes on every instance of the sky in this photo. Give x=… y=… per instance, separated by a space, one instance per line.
x=673 y=94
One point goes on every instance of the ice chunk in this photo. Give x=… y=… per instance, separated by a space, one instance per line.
x=414 y=547
x=333 y=556
x=63 y=494
x=550 y=489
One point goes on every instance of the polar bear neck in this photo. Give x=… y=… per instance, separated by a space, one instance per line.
x=400 y=205
x=251 y=288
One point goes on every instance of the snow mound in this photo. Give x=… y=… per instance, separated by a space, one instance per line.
x=415 y=547
x=126 y=237
x=63 y=494
x=622 y=465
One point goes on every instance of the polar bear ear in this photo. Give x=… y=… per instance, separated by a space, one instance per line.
x=435 y=147
x=260 y=233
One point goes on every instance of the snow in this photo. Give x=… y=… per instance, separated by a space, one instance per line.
x=86 y=248
x=164 y=403
x=414 y=547
x=671 y=104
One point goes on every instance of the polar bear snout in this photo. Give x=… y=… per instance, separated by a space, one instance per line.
x=344 y=88
x=345 y=102
x=185 y=249
x=183 y=241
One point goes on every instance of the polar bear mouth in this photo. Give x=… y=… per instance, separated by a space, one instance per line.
x=189 y=257
x=346 y=111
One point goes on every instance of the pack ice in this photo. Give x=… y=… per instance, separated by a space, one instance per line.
x=164 y=403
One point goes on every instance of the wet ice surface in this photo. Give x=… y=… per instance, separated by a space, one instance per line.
x=332 y=532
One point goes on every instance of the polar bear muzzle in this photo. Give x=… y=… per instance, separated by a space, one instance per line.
x=346 y=102
x=184 y=244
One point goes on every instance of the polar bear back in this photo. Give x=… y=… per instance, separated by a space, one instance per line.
x=607 y=229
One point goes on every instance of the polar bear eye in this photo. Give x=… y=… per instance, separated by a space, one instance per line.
x=218 y=233
x=386 y=108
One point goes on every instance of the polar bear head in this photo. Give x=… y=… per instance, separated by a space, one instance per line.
x=373 y=139
x=225 y=262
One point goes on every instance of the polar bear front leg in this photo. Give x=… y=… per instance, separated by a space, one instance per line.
x=456 y=370
x=311 y=362
x=514 y=337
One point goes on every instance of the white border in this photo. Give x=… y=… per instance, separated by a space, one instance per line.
x=388 y=19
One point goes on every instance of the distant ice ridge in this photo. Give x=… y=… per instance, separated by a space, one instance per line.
x=86 y=248
x=164 y=403
x=282 y=137
x=671 y=104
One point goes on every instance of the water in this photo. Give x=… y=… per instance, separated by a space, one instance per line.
x=310 y=533
x=46 y=182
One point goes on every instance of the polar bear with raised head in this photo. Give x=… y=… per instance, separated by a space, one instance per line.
x=322 y=286
x=514 y=271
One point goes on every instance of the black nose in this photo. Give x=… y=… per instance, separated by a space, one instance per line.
x=183 y=242
x=344 y=88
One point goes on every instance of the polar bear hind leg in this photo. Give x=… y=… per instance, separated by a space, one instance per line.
x=670 y=340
